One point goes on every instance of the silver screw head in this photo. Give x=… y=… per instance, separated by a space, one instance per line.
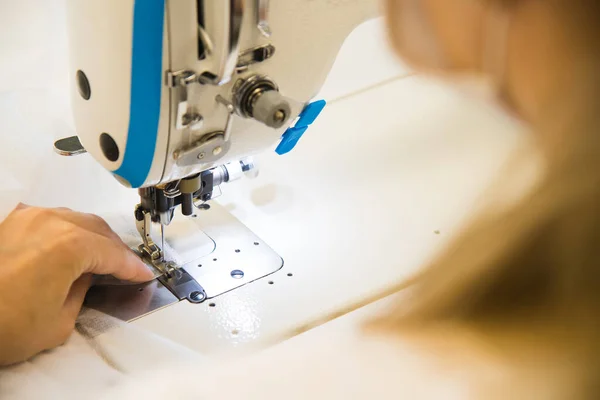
x=197 y=296
x=279 y=116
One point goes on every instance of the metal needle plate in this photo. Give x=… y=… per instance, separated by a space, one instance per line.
x=237 y=258
x=240 y=256
x=127 y=302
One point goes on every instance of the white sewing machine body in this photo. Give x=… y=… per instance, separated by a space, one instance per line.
x=149 y=73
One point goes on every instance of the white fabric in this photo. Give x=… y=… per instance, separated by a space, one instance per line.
x=334 y=366
x=101 y=354
x=73 y=371
x=334 y=362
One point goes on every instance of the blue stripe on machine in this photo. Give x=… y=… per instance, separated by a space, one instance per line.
x=146 y=86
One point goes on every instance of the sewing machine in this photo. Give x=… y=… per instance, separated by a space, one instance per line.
x=174 y=97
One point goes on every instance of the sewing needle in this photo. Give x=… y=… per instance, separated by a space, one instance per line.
x=162 y=237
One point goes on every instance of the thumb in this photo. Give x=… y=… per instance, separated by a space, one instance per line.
x=75 y=298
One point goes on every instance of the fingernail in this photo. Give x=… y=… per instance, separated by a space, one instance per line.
x=145 y=271
x=148 y=272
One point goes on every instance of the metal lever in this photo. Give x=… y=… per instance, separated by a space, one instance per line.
x=234 y=10
x=230 y=110
x=70 y=146
x=144 y=227
x=262 y=14
x=186 y=117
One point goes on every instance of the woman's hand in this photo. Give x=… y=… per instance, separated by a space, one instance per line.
x=47 y=258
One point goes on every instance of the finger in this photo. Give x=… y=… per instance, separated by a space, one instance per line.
x=103 y=256
x=75 y=298
x=89 y=222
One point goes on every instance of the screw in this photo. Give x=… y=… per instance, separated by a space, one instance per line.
x=139 y=214
x=279 y=116
x=187 y=77
x=186 y=119
x=217 y=150
x=192 y=120
x=169 y=268
x=201 y=156
x=197 y=297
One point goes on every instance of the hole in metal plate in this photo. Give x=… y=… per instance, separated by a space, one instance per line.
x=237 y=274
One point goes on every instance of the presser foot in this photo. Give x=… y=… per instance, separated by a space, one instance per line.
x=176 y=279
x=144 y=226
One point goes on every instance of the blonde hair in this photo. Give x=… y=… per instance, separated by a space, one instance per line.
x=536 y=266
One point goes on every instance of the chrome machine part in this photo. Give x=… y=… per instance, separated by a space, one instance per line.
x=161 y=201
x=128 y=302
x=258 y=97
x=229 y=40
x=186 y=117
x=230 y=110
x=250 y=167
x=237 y=250
x=209 y=149
x=254 y=56
x=234 y=171
x=183 y=286
x=239 y=257
x=177 y=281
x=171 y=190
x=262 y=14
x=70 y=146
x=144 y=226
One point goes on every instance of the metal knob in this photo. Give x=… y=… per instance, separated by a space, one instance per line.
x=258 y=97
x=272 y=109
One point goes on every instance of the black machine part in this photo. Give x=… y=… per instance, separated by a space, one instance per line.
x=162 y=201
